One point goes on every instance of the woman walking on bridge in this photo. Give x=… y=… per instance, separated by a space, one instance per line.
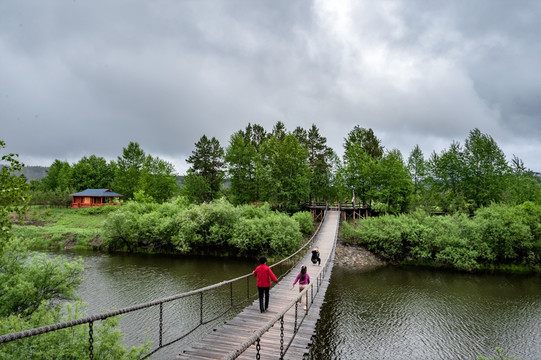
x=264 y=276
x=304 y=280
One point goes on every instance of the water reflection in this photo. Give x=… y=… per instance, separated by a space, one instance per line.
x=394 y=313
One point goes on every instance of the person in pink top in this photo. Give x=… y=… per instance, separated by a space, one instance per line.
x=264 y=276
x=304 y=279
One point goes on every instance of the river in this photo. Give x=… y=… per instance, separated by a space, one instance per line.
x=386 y=313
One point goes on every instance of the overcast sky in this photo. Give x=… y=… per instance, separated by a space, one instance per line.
x=87 y=77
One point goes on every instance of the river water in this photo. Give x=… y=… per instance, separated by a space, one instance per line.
x=386 y=313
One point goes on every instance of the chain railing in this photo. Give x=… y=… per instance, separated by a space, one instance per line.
x=291 y=261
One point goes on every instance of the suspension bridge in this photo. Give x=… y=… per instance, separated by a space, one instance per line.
x=285 y=331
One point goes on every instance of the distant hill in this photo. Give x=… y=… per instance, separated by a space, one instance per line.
x=34 y=172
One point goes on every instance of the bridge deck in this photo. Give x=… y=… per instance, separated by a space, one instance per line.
x=227 y=338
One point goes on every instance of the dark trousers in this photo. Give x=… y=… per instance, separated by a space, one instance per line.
x=316 y=260
x=263 y=296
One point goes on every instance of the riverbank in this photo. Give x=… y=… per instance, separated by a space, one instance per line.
x=356 y=257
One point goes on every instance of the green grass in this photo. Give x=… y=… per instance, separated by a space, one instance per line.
x=62 y=228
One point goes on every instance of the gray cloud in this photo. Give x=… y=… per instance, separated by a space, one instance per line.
x=80 y=78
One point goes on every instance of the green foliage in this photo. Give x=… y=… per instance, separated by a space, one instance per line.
x=28 y=280
x=273 y=234
x=195 y=188
x=12 y=192
x=69 y=343
x=32 y=287
x=55 y=197
x=59 y=176
x=148 y=175
x=207 y=161
x=209 y=228
x=92 y=173
x=321 y=159
x=157 y=180
x=205 y=226
x=241 y=158
x=283 y=172
x=305 y=221
x=497 y=235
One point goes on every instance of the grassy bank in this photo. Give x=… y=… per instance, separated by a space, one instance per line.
x=61 y=228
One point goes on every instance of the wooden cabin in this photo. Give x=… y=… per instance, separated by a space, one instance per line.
x=94 y=197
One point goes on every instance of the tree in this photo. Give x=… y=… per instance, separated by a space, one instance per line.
x=366 y=140
x=59 y=176
x=362 y=151
x=521 y=185
x=33 y=287
x=417 y=169
x=485 y=169
x=13 y=190
x=241 y=161
x=128 y=170
x=279 y=131
x=207 y=161
x=92 y=173
x=283 y=169
x=157 y=179
x=358 y=173
x=446 y=175
x=394 y=183
x=320 y=158
x=255 y=134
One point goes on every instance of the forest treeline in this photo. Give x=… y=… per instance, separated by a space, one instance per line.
x=288 y=169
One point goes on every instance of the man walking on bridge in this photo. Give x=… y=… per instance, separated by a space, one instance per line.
x=264 y=276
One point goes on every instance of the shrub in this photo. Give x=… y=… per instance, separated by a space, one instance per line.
x=70 y=343
x=305 y=221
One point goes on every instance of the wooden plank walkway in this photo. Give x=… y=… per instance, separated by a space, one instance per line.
x=224 y=340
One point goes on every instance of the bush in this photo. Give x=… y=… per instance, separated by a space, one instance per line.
x=496 y=235
x=218 y=227
x=305 y=221
x=70 y=343
x=274 y=234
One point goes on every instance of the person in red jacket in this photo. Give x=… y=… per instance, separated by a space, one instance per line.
x=264 y=276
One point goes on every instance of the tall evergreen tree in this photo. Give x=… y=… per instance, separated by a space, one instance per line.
x=320 y=158
x=207 y=161
x=279 y=131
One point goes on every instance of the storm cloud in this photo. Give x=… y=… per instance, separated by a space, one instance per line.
x=87 y=77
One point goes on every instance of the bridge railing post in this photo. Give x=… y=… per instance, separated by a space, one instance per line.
x=201 y=309
x=90 y=340
x=161 y=324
